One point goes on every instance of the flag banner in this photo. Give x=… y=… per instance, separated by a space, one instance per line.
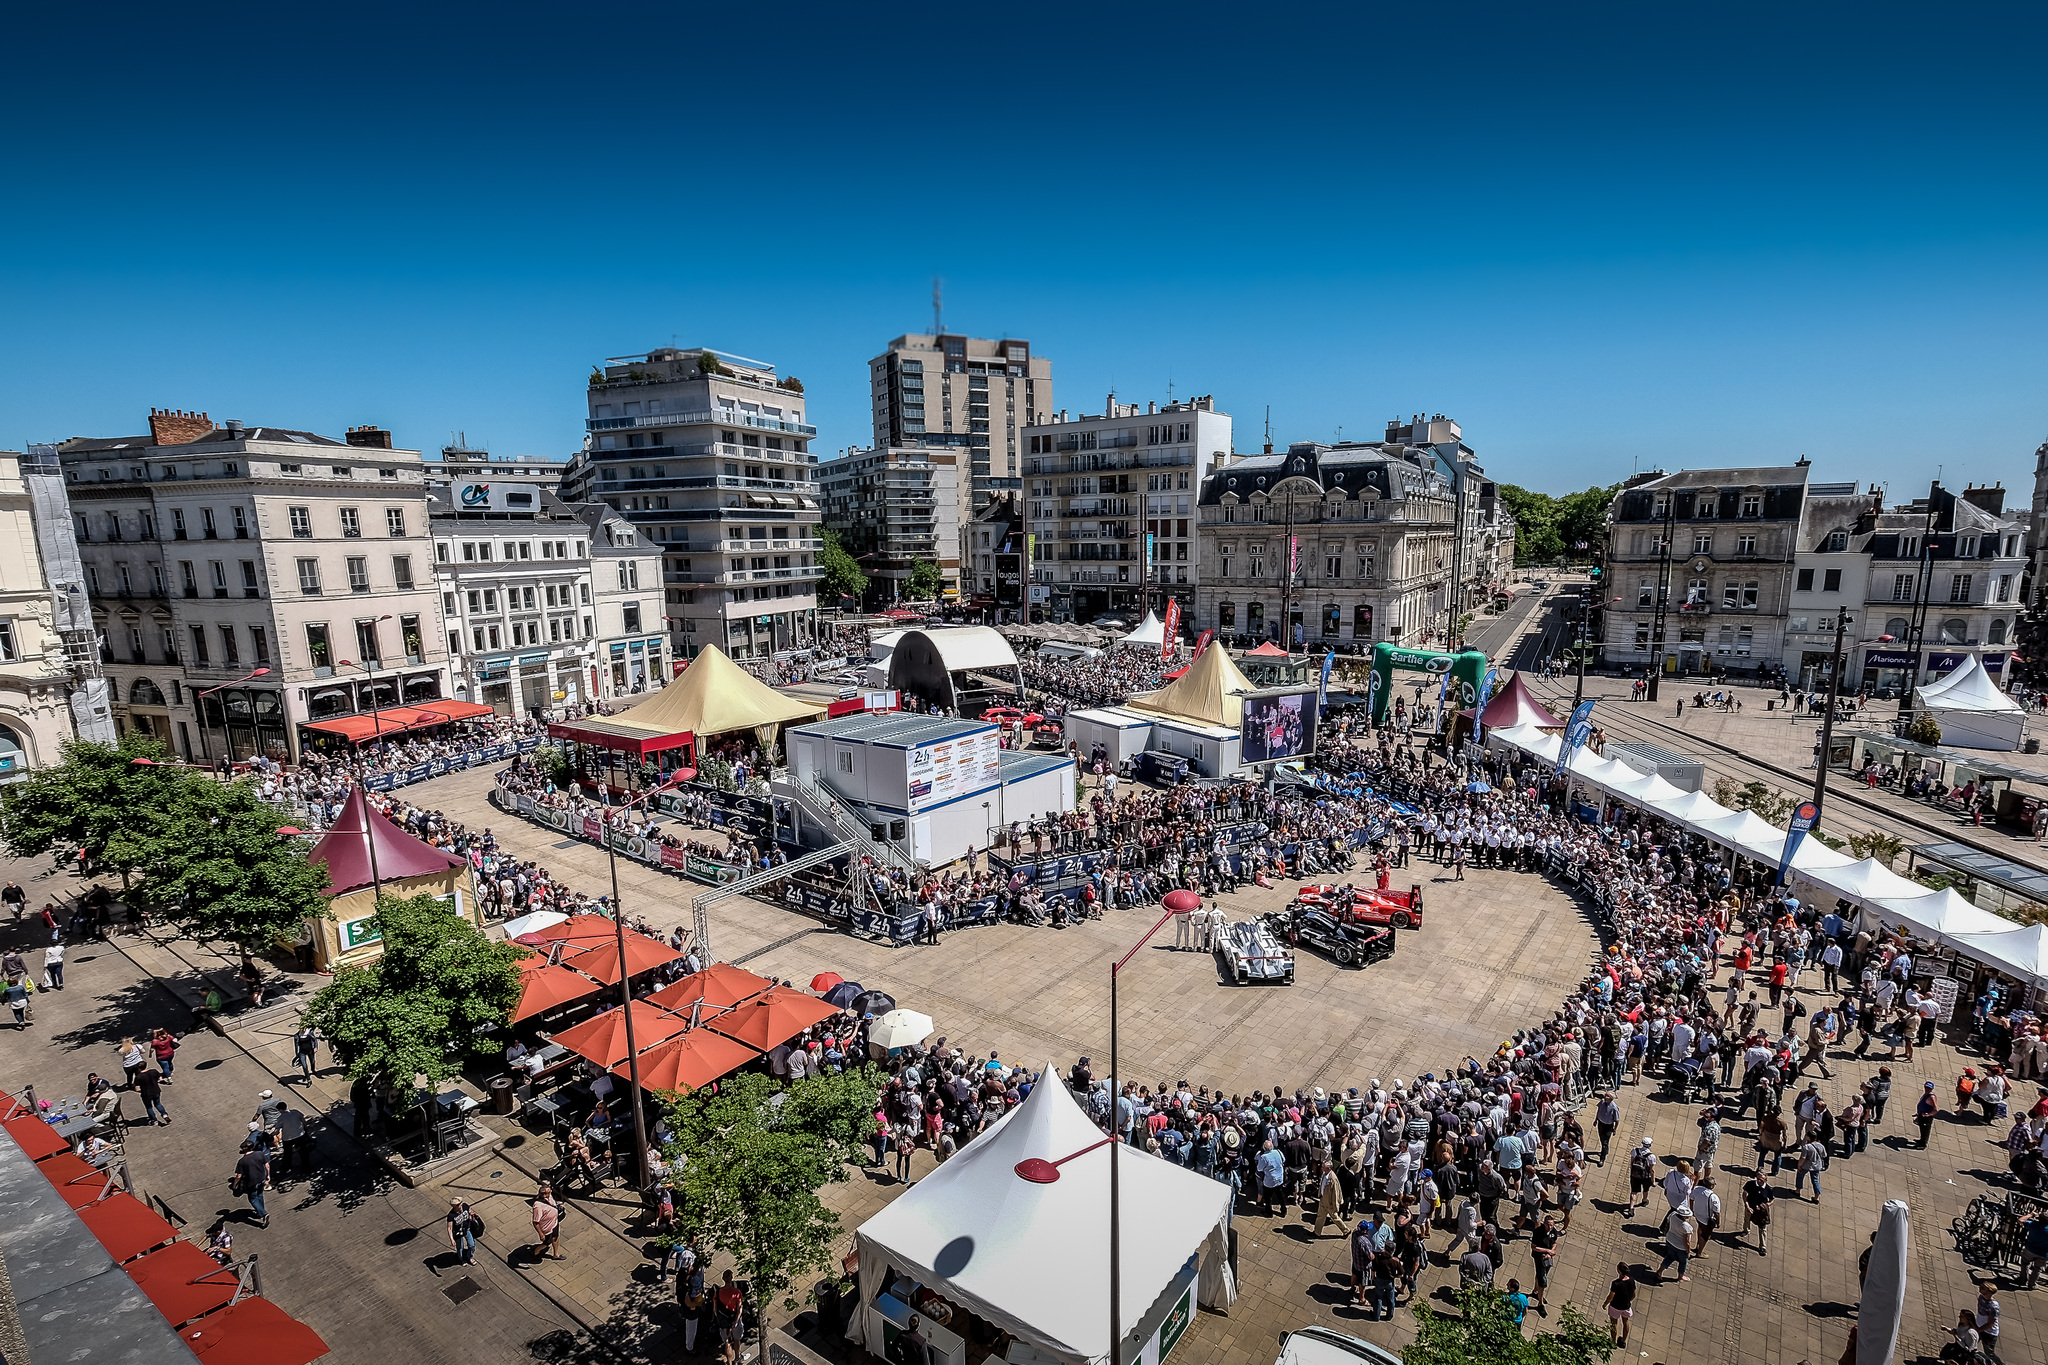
x=1803 y=819
x=1479 y=713
x=1576 y=732
x=1323 y=690
x=1170 y=637
x=1202 y=642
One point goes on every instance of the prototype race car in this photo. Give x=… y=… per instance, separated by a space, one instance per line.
x=1251 y=952
x=1349 y=945
x=1365 y=905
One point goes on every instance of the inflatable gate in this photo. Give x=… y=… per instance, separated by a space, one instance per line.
x=1466 y=668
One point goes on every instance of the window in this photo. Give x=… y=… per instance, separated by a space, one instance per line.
x=584 y=589
x=1745 y=545
x=259 y=644
x=1897 y=626
x=1333 y=567
x=1752 y=504
x=2005 y=587
x=1909 y=547
x=589 y=627
x=1731 y=594
x=401 y=571
x=469 y=551
x=394 y=520
x=441 y=551
x=1959 y=588
x=1996 y=635
x=177 y=523
x=1749 y=595
x=302 y=523
x=1902 y=587
x=1642 y=635
x=1954 y=630
x=135 y=654
x=491 y=600
x=241 y=523
x=8 y=648
x=1836 y=542
x=249 y=583
x=1702 y=543
x=1805 y=583
x=448 y=604
x=1226 y=615
x=169 y=641
x=156 y=580
x=199 y=654
x=1831 y=580
x=369 y=649
x=478 y=634
x=1361 y=622
x=309 y=577
x=493 y=632
x=230 y=650
x=1966 y=547
x=358 y=574
x=1365 y=566
x=220 y=577
x=1796 y=625
x=454 y=642
x=113 y=526
x=317 y=648
x=351 y=525
x=632 y=613
x=207 y=528
x=1646 y=594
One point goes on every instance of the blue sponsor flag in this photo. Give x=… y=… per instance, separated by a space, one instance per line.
x=1323 y=691
x=1479 y=713
x=1576 y=732
x=1803 y=819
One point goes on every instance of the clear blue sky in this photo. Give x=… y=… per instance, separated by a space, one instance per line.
x=1594 y=234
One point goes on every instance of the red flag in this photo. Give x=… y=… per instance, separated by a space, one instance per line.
x=1202 y=642
x=1170 y=637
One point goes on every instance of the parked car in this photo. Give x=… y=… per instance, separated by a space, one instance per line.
x=1365 y=904
x=1161 y=768
x=1250 y=952
x=1348 y=945
x=1323 y=1346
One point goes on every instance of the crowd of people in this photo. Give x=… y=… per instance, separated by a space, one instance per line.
x=320 y=785
x=1072 y=682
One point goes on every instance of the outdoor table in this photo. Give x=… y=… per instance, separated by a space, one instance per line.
x=75 y=1126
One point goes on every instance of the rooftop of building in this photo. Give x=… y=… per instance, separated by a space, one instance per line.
x=1752 y=476
x=897 y=729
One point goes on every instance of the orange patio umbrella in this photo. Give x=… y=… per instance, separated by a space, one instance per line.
x=184 y=1282
x=771 y=1018
x=689 y=1060
x=719 y=984
x=542 y=988
x=578 y=929
x=603 y=1039
x=125 y=1225
x=253 y=1332
x=601 y=960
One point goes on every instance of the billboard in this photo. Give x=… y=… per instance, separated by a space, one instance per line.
x=1278 y=725
x=952 y=768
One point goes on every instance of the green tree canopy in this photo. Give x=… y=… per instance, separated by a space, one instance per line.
x=425 y=1004
x=749 y=1171
x=97 y=802
x=1484 y=1332
x=1550 y=528
x=843 y=575
x=925 y=581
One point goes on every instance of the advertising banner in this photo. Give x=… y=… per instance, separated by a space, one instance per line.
x=1803 y=819
x=1171 y=635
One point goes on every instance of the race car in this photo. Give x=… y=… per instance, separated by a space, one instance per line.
x=1349 y=945
x=1366 y=905
x=1251 y=952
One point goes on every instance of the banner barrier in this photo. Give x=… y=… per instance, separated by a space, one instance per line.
x=441 y=767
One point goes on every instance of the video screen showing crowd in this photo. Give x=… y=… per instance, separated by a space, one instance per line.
x=1278 y=726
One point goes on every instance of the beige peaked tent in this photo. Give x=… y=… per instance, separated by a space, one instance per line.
x=1212 y=690
x=713 y=697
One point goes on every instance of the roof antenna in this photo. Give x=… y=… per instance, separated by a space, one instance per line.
x=938 y=326
x=1269 y=428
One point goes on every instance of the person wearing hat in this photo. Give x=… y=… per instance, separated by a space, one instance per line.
x=1924 y=1112
x=1642 y=1174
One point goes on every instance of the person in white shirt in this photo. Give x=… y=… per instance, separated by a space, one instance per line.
x=1706 y=1212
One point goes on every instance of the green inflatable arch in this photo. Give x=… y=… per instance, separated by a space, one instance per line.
x=1466 y=668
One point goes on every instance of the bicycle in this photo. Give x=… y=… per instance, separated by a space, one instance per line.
x=1980 y=1231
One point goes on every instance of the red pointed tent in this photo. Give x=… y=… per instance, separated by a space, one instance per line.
x=1268 y=650
x=348 y=843
x=1515 y=704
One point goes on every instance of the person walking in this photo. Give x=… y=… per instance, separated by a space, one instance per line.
x=1987 y=1314
x=1605 y=1119
x=132 y=1060
x=1621 y=1294
x=53 y=967
x=165 y=1048
x=464 y=1227
x=1924 y=1112
x=729 y=1312
x=150 y=1084
x=1678 y=1234
x=547 y=1224
x=306 y=1052
x=1543 y=1246
x=1642 y=1175
x=252 y=1178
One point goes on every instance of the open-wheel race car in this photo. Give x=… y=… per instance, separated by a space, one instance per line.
x=1365 y=905
x=1348 y=944
x=1252 y=952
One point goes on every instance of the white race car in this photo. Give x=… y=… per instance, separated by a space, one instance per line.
x=1251 y=952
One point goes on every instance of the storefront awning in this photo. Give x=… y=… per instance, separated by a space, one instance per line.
x=625 y=739
x=395 y=720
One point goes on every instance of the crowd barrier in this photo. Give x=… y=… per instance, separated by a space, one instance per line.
x=441 y=767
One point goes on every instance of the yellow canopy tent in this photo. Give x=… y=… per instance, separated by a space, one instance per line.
x=1211 y=690
x=713 y=697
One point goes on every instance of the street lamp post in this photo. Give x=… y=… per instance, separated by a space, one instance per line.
x=1116 y=1095
x=199 y=705
x=626 y=991
x=1827 y=724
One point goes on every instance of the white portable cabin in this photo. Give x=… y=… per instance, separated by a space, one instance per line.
x=1123 y=734
x=1211 y=750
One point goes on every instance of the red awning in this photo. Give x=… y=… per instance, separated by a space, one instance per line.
x=35 y=1137
x=125 y=1226
x=603 y=1039
x=453 y=710
x=184 y=1282
x=394 y=720
x=619 y=738
x=546 y=988
x=78 y=1180
x=253 y=1332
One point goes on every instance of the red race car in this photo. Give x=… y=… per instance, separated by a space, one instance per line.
x=1364 y=905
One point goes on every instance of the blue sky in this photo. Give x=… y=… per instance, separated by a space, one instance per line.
x=1599 y=236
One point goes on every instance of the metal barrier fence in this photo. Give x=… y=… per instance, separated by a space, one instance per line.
x=440 y=767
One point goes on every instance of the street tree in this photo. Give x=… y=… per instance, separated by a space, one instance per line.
x=97 y=803
x=424 y=1005
x=219 y=870
x=843 y=576
x=925 y=581
x=750 y=1160
x=1484 y=1332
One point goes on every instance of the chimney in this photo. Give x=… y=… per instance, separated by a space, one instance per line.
x=372 y=438
x=1988 y=498
x=235 y=429
x=174 y=427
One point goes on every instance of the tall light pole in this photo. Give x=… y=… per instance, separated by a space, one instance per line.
x=1663 y=594
x=1827 y=724
x=199 y=705
x=626 y=988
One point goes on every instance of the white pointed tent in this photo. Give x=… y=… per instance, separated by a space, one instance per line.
x=1972 y=711
x=1151 y=631
x=1940 y=916
x=1033 y=1258
x=2020 y=952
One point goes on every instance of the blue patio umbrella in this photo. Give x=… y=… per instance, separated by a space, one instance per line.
x=1477 y=787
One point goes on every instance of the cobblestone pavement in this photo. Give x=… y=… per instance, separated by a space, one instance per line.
x=1495 y=952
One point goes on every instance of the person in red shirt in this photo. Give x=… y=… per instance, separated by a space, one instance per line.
x=1742 y=961
x=1781 y=972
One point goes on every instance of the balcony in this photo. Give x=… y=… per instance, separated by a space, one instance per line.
x=720 y=417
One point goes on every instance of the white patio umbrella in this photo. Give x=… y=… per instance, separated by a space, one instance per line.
x=900 y=1028
x=1884 y=1289
x=533 y=923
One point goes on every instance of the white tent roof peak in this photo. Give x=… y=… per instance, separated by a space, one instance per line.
x=1967 y=688
x=1150 y=631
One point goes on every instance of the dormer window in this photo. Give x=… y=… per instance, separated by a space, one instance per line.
x=1705 y=503
x=1836 y=542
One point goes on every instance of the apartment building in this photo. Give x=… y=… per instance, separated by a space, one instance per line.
x=1109 y=504
x=1327 y=546
x=39 y=668
x=992 y=550
x=1830 y=576
x=249 y=580
x=1484 y=550
x=893 y=507
x=707 y=455
x=461 y=463
x=1947 y=574
x=962 y=393
x=1726 y=586
x=625 y=569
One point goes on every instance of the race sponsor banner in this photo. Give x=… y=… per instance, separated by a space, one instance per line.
x=813 y=901
x=1171 y=635
x=712 y=874
x=591 y=830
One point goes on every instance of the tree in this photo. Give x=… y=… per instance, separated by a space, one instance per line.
x=749 y=1170
x=422 y=1006
x=792 y=383
x=1551 y=528
x=843 y=575
x=1925 y=729
x=1484 y=1332
x=1766 y=803
x=707 y=363
x=1877 y=844
x=925 y=581
x=97 y=803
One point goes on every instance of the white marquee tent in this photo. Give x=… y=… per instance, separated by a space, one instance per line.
x=1941 y=916
x=1151 y=631
x=1972 y=711
x=1033 y=1258
x=2020 y=952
